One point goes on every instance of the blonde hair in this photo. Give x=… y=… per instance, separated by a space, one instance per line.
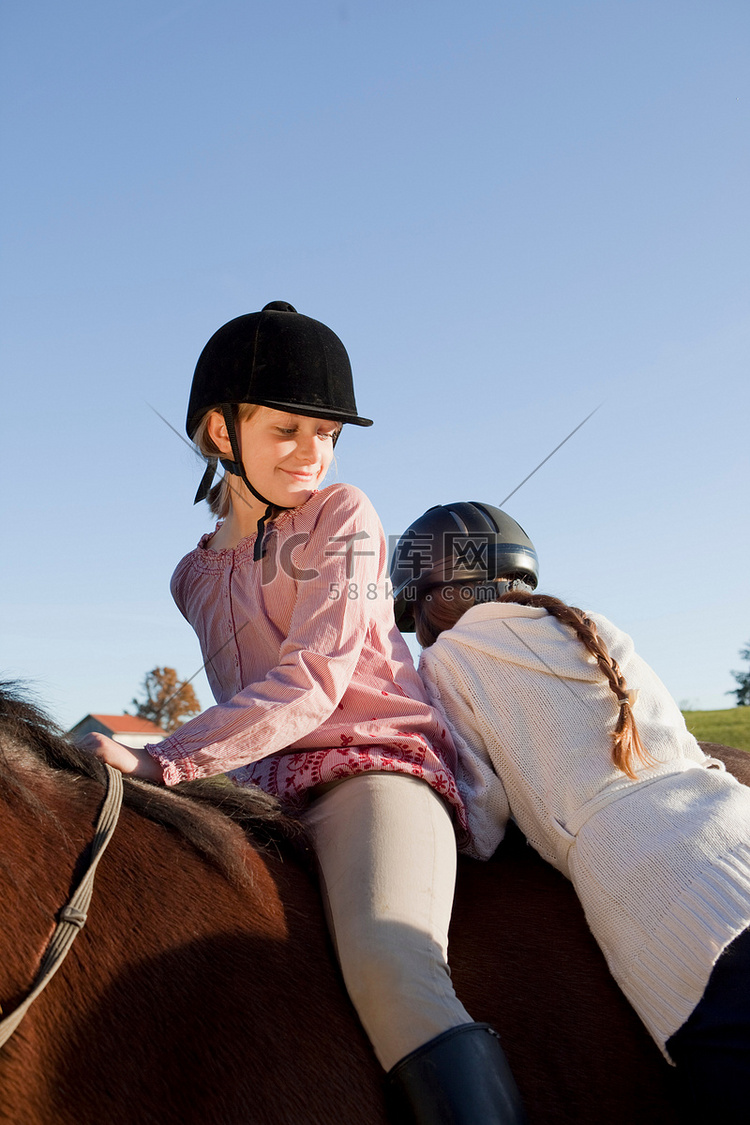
x=439 y=609
x=219 y=496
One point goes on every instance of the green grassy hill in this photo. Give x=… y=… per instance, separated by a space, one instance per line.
x=731 y=727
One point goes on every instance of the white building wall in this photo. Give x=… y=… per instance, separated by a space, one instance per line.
x=132 y=739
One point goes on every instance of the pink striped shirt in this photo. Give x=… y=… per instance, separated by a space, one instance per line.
x=312 y=679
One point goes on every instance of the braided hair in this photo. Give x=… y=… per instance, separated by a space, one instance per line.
x=445 y=603
x=627 y=747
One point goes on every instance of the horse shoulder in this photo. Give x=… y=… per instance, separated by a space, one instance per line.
x=188 y=998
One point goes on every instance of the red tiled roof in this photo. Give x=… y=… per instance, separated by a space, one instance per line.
x=128 y=724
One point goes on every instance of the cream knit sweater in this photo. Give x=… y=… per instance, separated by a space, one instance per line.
x=661 y=864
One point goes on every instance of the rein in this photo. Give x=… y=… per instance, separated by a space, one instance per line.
x=72 y=917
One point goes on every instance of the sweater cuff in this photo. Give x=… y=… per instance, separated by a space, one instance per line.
x=176 y=767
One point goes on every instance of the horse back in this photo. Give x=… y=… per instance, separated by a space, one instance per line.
x=524 y=960
x=185 y=998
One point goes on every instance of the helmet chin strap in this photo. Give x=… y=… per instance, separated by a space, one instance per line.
x=236 y=468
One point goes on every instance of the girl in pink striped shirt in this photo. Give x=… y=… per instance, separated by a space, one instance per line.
x=318 y=701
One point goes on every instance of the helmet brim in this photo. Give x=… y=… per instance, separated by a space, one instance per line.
x=313 y=411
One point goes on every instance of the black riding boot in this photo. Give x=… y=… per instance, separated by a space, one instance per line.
x=461 y=1077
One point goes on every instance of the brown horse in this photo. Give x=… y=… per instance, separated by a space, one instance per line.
x=203 y=987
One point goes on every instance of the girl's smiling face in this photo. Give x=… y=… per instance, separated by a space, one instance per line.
x=286 y=456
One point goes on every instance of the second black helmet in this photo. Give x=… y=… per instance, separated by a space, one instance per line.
x=461 y=542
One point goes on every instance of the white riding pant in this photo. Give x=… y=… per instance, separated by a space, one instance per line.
x=386 y=853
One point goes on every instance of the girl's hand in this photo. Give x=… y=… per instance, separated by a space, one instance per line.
x=126 y=759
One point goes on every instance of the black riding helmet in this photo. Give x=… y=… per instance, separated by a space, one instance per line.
x=461 y=542
x=276 y=358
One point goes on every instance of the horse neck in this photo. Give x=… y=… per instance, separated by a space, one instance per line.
x=40 y=853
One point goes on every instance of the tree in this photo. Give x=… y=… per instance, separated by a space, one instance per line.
x=743 y=679
x=169 y=700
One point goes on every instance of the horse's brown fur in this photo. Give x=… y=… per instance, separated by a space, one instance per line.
x=190 y=997
x=31 y=745
x=185 y=998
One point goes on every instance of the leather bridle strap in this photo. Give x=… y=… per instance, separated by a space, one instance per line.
x=72 y=917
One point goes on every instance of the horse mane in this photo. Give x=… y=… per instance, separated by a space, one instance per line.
x=213 y=817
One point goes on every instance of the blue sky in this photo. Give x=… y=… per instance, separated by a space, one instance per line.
x=511 y=212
